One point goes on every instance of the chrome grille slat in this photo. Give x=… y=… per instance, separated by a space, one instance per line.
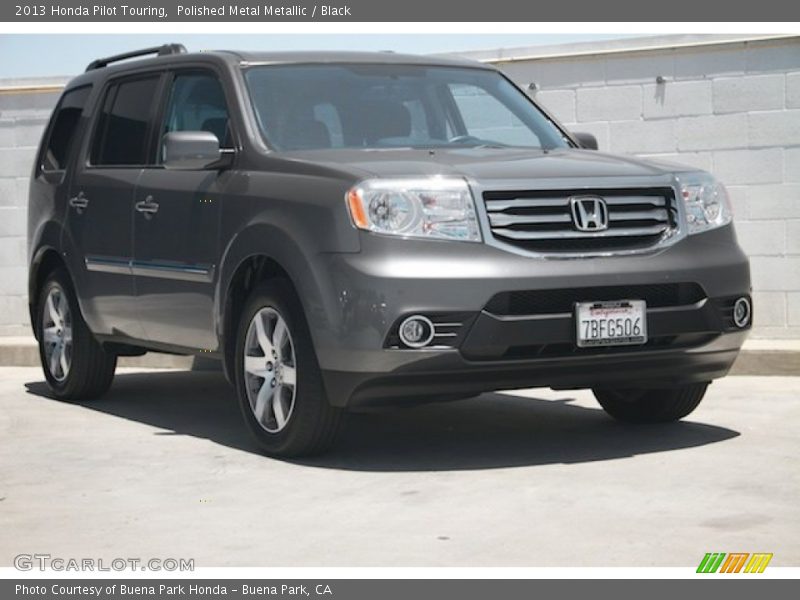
x=543 y=221
x=621 y=201
x=643 y=215
x=501 y=205
x=517 y=234
x=502 y=219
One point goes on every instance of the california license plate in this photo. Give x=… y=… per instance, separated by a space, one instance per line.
x=617 y=323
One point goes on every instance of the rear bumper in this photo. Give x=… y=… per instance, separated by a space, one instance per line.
x=370 y=292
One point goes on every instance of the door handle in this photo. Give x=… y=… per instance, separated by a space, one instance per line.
x=79 y=202
x=148 y=207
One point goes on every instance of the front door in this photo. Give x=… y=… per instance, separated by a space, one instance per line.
x=177 y=223
x=100 y=208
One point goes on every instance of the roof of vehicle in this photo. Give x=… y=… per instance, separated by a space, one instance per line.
x=169 y=54
x=350 y=57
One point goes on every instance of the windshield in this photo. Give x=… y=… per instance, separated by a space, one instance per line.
x=310 y=107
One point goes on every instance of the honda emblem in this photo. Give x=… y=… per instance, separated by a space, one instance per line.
x=589 y=213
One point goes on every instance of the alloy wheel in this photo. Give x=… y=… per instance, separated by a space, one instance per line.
x=57 y=333
x=270 y=369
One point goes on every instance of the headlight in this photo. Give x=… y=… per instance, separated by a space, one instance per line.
x=706 y=202
x=438 y=207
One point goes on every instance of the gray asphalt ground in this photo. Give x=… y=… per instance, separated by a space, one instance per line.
x=163 y=467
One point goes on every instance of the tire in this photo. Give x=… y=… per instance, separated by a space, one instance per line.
x=651 y=405
x=294 y=419
x=74 y=363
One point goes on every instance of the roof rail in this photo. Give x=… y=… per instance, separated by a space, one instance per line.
x=164 y=50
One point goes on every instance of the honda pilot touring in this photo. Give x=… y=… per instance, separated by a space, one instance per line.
x=344 y=229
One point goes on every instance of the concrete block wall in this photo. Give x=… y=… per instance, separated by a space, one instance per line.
x=25 y=107
x=731 y=108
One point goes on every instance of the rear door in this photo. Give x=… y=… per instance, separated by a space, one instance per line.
x=100 y=209
x=57 y=152
x=177 y=220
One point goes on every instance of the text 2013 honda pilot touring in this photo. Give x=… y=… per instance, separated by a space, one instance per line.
x=345 y=228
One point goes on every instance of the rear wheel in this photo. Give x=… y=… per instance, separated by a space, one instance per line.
x=278 y=380
x=75 y=365
x=651 y=405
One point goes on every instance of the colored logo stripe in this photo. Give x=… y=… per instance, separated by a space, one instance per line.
x=711 y=562
x=734 y=562
x=758 y=562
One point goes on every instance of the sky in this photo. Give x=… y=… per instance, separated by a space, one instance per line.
x=45 y=55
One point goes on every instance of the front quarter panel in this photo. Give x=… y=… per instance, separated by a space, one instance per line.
x=291 y=218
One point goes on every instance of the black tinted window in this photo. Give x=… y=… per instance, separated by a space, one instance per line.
x=121 y=137
x=64 y=128
x=197 y=103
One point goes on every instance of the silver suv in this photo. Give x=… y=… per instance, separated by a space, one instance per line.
x=342 y=229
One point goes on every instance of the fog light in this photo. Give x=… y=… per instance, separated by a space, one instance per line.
x=416 y=331
x=742 y=312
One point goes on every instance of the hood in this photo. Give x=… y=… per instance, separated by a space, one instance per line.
x=485 y=163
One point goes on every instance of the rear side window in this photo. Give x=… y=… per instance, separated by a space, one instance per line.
x=121 y=137
x=66 y=118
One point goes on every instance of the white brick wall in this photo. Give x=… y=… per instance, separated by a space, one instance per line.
x=642 y=136
x=793 y=90
x=773 y=128
x=748 y=167
x=711 y=132
x=610 y=103
x=681 y=99
x=562 y=103
x=748 y=93
x=23 y=117
x=732 y=109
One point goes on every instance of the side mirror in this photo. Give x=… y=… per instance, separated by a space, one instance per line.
x=586 y=140
x=190 y=150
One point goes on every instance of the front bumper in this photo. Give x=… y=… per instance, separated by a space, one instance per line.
x=369 y=292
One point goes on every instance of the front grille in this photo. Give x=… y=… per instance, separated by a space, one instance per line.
x=542 y=220
x=538 y=302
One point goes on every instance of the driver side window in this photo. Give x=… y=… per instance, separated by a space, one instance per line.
x=197 y=103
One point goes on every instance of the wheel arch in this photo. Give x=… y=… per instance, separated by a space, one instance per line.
x=257 y=254
x=44 y=262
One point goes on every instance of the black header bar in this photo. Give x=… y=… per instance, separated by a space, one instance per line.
x=710 y=11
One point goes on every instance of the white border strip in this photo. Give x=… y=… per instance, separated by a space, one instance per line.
x=771 y=28
x=310 y=27
x=334 y=573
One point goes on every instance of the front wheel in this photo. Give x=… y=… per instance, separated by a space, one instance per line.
x=651 y=405
x=278 y=380
x=75 y=365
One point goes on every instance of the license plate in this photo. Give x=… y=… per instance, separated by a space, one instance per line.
x=617 y=323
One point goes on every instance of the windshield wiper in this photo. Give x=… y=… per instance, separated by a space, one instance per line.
x=470 y=141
